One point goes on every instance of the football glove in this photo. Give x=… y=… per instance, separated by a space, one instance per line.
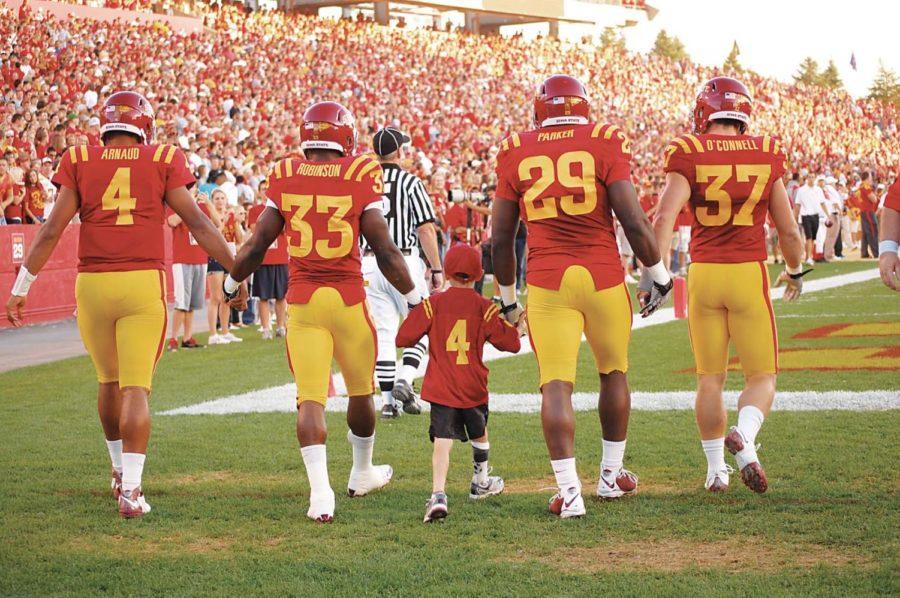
x=512 y=313
x=652 y=295
x=793 y=284
x=238 y=298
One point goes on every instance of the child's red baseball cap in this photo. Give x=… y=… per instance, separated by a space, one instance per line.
x=463 y=263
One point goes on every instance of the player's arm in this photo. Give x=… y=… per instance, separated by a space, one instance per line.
x=265 y=230
x=676 y=193
x=789 y=240
x=655 y=279
x=505 y=224
x=414 y=327
x=44 y=242
x=206 y=234
x=501 y=333
x=888 y=263
x=374 y=228
x=427 y=234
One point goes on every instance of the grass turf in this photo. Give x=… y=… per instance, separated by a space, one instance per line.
x=230 y=493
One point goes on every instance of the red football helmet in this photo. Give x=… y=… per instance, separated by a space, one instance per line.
x=722 y=98
x=328 y=125
x=129 y=112
x=561 y=100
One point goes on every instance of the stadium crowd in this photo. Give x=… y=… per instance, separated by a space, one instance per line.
x=232 y=96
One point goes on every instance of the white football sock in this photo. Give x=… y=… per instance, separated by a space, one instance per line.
x=132 y=470
x=316 y=468
x=387 y=398
x=480 y=468
x=715 y=454
x=115 y=453
x=750 y=420
x=566 y=474
x=613 y=455
x=362 y=450
x=408 y=373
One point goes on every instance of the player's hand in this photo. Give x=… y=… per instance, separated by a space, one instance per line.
x=889 y=266
x=15 y=307
x=514 y=314
x=239 y=298
x=793 y=284
x=652 y=295
x=437 y=280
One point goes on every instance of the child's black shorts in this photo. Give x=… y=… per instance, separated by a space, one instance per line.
x=456 y=423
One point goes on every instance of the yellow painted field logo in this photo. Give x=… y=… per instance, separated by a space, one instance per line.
x=885 y=357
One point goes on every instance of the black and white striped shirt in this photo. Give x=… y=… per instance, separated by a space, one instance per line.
x=407 y=205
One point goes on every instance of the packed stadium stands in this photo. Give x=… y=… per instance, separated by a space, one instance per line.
x=238 y=88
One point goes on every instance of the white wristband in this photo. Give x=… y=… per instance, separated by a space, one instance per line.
x=793 y=271
x=508 y=294
x=23 y=282
x=231 y=284
x=414 y=297
x=659 y=273
x=886 y=246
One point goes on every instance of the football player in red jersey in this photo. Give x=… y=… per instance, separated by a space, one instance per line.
x=458 y=322
x=732 y=180
x=890 y=235
x=119 y=189
x=323 y=202
x=565 y=178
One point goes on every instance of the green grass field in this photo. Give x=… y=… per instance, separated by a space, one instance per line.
x=229 y=493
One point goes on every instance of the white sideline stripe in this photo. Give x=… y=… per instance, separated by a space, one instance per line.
x=274 y=397
x=281 y=400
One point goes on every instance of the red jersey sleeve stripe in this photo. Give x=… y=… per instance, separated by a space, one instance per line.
x=608 y=133
x=491 y=312
x=596 y=131
x=354 y=165
x=170 y=155
x=84 y=153
x=516 y=142
x=288 y=168
x=428 y=310
x=157 y=155
x=73 y=155
x=683 y=145
x=366 y=170
x=767 y=143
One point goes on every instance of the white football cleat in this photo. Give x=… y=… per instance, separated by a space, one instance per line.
x=568 y=504
x=615 y=484
x=369 y=480
x=133 y=504
x=321 y=507
x=717 y=481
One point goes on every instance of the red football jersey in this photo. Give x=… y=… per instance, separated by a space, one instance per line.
x=121 y=193
x=322 y=203
x=458 y=322
x=731 y=177
x=277 y=253
x=559 y=176
x=34 y=199
x=892 y=200
x=185 y=249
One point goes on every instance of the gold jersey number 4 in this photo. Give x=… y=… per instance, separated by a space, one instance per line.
x=720 y=175
x=458 y=343
x=118 y=196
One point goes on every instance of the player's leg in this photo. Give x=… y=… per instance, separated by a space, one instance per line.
x=751 y=321
x=708 y=328
x=555 y=329
x=140 y=334
x=607 y=326
x=97 y=311
x=310 y=349
x=413 y=356
x=214 y=279
x=385 y=314
x=483 y=484
x=355 y=350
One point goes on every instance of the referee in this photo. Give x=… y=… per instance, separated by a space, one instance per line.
x=410 y=218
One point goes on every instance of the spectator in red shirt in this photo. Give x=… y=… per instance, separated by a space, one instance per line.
x=270 y=280
x=35 y=198
x=189 y=263
x=458 y=323
x=10 y=198
x=868 y=205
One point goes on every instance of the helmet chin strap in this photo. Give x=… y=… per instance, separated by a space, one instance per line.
x=564 y=120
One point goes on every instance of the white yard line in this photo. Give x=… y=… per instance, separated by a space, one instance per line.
x=281 y=398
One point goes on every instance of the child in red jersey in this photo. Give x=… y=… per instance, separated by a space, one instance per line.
x=458 y=323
